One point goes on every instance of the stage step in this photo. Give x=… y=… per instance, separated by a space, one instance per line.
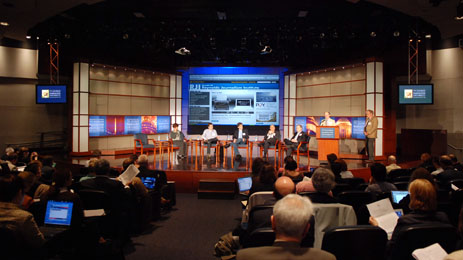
x=216 y=189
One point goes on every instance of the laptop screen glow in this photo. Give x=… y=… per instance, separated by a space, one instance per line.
x=398 y=195
x=245 y=183
x=58 y=213
x=149 y=182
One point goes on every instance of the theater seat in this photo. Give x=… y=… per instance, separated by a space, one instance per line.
x=354 y=182
x=8 y=244
x=340 y=187
x=358 y=200
x=421 y=236
x=398 y=173
x=401 y=185
x=355 y=242
x=261 y=237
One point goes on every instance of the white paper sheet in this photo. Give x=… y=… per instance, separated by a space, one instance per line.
x=383 y=212
x=432 y=252
x=93 y=213
x=127 y=176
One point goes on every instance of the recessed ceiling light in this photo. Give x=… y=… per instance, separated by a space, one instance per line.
x=4 y=24
x=428 y=36
x=28 y=37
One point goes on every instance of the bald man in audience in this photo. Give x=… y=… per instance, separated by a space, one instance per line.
x=291 y=222
x=391 y=164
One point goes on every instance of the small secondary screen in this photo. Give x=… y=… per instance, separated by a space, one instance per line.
x=416 y=94
x=50 y=94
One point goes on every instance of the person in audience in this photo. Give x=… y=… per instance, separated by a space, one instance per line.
x=293 y=143
x=160 y=176
x=11 y=160
x=240 y=136
x=47 y=169
x=336 y=168
x=423 y=205
x=458 y=166
x=457 y=255
x=24 y=156
x=178 y=140
x=290 y=221
x=136 y=184
x=209 y=137
x=36 y=168
x=270 y=139
x=291 y=172
x=257 y=165
x=286 y=160
x=331 y=158
x=265 y=180
x=436 y=164
x=419 y=173
x=8 y=150
x=29 y=180
x=378 y=183
x=20 y=222
x=91 y=170
x=449 y=172
x=323 y=181
x=391 y=164
x=426 y=162
x=345 y=173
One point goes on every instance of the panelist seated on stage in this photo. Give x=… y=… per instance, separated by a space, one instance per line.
x=240 y=137
x=327 y=121
x=270 y=139
x=210 y=137
x=178 y=140
x=293 y=143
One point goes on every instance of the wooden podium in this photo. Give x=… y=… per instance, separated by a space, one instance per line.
x=328 y=141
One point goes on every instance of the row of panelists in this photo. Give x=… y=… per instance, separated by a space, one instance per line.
x=299 y=139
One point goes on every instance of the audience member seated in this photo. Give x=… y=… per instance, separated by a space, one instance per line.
x=391 y=164
x=458 y=166
x=257 y=165
x=47 y=169
x=305 y=186
x=423 y=205
x=38 y=187
x=426 y=162
x=8 y=150
x=458 y=255
x=323 y=182
x=449 y=172
x=331 y=158
x=24 y=155
x=91 y=170
x=285 y=161
x=378 y=183
x=11 y=160
x=29 y=180
x=136 y=184
x=436 y=163
x=12 y=217
x=290 y=171
x=265 y=180
x=336 y=169
x=420 y=173
x=290 y=221
x=345 y=173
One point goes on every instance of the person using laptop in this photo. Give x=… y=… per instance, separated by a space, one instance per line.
x=20 y=222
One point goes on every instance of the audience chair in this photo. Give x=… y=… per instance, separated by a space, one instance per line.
x=364 y=242
x=457 y=182
x=8 y=244
x=402 y=179
x=248 y=150
x=276 y=149
x=354 y=182
x=256 y=199
x=401 y=185
x=362 y=187
x=358 y=200
x=340 y=187
x=397 y=173
x=254 y=224
x=95 y=199
x=260 y=237
x=421 y=236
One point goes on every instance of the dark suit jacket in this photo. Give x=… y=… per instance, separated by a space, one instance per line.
x=245 y=134
x=446 y=176
x=284 y=250
x=115 y=189
x=273 y=139
x=302 y=138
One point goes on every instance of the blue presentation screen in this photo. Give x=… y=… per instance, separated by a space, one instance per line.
x=50 y=94
x=132 y=125
x=97 y=126
x=228 y=99
x=416 y=94
x=127 y=125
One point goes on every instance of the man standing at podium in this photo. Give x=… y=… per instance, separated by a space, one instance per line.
x=328 y=121
x=370 y=129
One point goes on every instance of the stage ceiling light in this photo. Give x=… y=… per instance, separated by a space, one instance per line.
x=428 y=36
x=396 y=34
x=4 y=24
x=302 y=13
x=28 y=37
x=459 y=15
x=266 y=50
x=373 y=34
x=183 y=51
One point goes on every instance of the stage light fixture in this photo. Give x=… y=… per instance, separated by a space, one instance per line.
x=459 y=15
x=221 y=15
x=322 y=35
x=373 y=34
x=396 y=33
x=302 y=13
x=28 y=37
x=4 y=24
x=266 y=50
x=183 y=51
x=428 y=36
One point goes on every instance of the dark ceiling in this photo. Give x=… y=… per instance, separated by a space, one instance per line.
x=331 y=31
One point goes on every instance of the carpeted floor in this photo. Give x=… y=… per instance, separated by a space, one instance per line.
x=189 y=231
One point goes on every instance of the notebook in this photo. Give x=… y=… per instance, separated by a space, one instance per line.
x=58 y=217
x=149 y=182
x=244 y=183
x=398 y=195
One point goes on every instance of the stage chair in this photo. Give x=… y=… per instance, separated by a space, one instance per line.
x=276 y=150
x=421 y=236
x=141 y=142
x=217 y=152
x=174 y=149
x=343 y=242
x=358 y=200
x=241 y=146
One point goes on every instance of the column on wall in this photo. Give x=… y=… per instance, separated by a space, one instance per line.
x=289 y=105
x=176 y=99
x=80 y=97
x=374 y=99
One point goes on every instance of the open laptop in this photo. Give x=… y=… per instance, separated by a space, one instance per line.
x=244 y=184
x=149 y=182
x=398 y=195
x=58 y=217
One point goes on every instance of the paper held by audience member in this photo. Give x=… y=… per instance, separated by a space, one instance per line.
x=94 y=213
x=432 y=252
x=383 y=212
x=127 y=176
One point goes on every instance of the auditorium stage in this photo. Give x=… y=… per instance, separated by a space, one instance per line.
x=187 y=177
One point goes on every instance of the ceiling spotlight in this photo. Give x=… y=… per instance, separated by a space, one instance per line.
x=183 y=51
x=4 y=24
x=28 y=37
x=459 y=15
x=38 y=37
x=396 y=34
x=221 y=15
x=125 y=36
x=373 y=34
x=428 y=36
x=302 y=13
x=266 y=50
x=322 y=35
x=139 y=14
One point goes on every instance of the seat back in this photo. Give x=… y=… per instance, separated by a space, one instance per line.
x=8 y=244
x=95 y=199
x=340 y=187
x=421 y=236
x=398 y=172
x=402 y=179
x=331 y=215
x=259 y=198
x=254 y=223
x=343 y=242
x=401 y=185
x=354 y=182
x=261 y=237
x=142 y=137
x=358 y=200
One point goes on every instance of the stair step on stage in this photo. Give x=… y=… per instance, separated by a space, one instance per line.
x=216 y=189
